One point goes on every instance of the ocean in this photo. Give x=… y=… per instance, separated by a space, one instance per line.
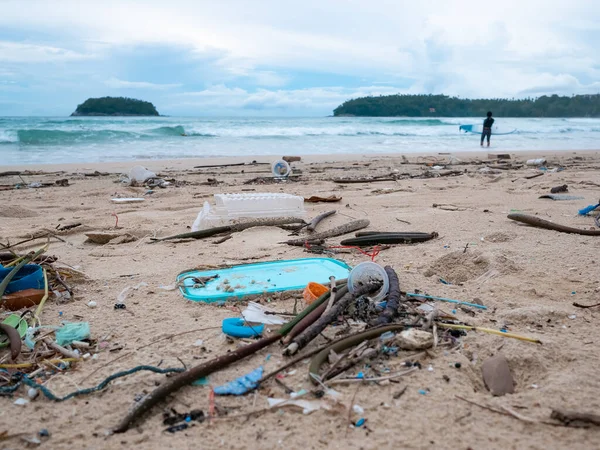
x=44 y=140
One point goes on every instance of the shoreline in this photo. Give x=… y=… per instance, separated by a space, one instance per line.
x=189 y=163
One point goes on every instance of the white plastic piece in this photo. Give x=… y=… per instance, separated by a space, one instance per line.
x=256 y=313
x=32 y=393
x=536 y=162
x=281 y=169
x=21 y=401
x=358 y=410
x=125 y=292
x=307 y=406
x=139 y=174
x=230 y=208
x=365 y=272
x=128 y=200
x=92 y=304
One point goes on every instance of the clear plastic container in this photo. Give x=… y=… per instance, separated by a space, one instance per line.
x=366 y=272
x=234 y=207
x=281 y=168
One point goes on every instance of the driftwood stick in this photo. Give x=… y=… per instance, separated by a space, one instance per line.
x=189 y=376
x=337 y=231
x=332 y=297
x=575 y=419
x=579 y=305
x=393 y=300
x=232 y=228
x=313 y=223
x=546 y=224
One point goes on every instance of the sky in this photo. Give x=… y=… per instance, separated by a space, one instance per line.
x=284 y=58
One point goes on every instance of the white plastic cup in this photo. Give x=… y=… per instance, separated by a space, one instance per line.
x=281 y=169
x=366 y=272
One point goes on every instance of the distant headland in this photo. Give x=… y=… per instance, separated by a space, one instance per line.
x=115 y=106
x=446 y=106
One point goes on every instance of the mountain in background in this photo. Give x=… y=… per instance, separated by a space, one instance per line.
x=446 y=106
x=115 y=106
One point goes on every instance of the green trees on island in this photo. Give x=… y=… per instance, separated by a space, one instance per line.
x=446 y=106
x=115 y=106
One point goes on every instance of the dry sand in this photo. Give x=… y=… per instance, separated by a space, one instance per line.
x=527 y=277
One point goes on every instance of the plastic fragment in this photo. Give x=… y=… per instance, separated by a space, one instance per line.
x=241 y=385
x=72 y=331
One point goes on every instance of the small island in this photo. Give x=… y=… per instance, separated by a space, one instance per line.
x=446 y=106
x=115 y=106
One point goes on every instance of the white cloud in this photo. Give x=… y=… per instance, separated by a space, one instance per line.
x=17 y=52
x=116 y=83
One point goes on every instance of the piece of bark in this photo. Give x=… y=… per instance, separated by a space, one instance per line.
x=291 y=159
x=546 y=224
x=317 y=199
x=497 y=376
x=337 y=231
x=393 y=300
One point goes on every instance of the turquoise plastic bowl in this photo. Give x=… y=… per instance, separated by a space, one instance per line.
x=29 y=277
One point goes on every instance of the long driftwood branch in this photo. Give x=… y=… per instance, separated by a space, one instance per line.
x=313 y=223
x=337 y=231
x=201 y=234
x=576 y=419
x=546 y=224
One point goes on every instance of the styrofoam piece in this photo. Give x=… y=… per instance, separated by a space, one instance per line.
x=234 y=207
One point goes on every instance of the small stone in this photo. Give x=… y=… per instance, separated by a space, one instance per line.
x=92 y=304
x=497 y=376
x=413 y=339
x=32 y=393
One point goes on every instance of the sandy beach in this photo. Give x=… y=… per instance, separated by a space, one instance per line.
x=527 y=277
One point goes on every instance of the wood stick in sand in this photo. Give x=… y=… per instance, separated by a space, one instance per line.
x=546 y=224
x=313 y=223
x=201 y=234
x=337 y=231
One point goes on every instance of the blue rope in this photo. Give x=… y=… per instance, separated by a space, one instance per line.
x=29 y=382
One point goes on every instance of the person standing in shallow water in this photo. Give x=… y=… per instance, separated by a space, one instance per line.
x=487 y=128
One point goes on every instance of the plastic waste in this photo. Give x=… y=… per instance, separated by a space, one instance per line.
x=366 y=272
x=30 y=276
x=139 y=174
x=281 y=169
x=234 y=207
x=536 y=162
x=239 y=328
x=588 y=209
x=313 y=291
x=125 y=292
x=241 y=385
x=307 y=406
x=257 y=313
x=72 y=331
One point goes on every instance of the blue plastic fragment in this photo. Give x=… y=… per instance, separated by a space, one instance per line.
x=236 y=327
x=360 y=375
x=241 y=385
x=200 y=382
x=72 y=331
x=360 y=422
x=422 y=392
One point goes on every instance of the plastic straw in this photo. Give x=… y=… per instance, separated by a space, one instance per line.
x=449 y=300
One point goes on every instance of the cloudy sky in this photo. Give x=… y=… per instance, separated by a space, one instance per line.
x=278 y=57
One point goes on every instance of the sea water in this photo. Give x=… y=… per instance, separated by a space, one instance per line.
x=36 y=140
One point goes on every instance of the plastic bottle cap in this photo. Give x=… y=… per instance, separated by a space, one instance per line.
x=281 y=168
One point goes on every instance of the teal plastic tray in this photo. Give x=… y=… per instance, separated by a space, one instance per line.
x=261 y=278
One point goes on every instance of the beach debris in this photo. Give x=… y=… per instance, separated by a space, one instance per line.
x=559 y=189
x=241 y=385
x=317 y=199
x=103 y=238
x=546 y=224
x=257 y=313
x=239 y=328
x=281 y=169
x=414 y=339
x=497 y=376
x=139 y=174
x=536 y=162
x=447 y=300
x=576 y=419
x=22 y=299
x=337 y=231
x=128 y=200
x=562 y=196
x=307 y=406
x=201 y=234
x=14 y=339
x=291 y=159
x=369 y=272
x=502 y=333
x=313 y=223
x=313 y=291
x=393 y=299
x=72 y=331
x=370 y=238
x=364 y=179
x=230 y=209
x=588 y=209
